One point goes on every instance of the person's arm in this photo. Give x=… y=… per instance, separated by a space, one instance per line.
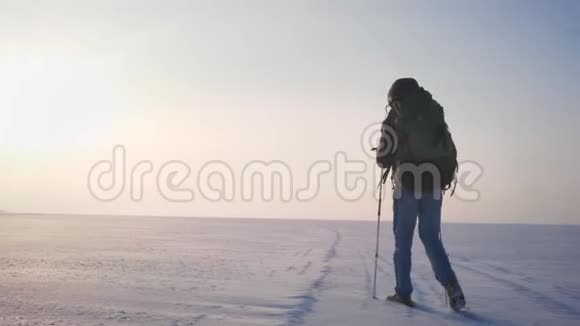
x=388 y=143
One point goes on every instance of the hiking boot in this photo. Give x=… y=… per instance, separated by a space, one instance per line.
x=455 y=296
x=402 y=300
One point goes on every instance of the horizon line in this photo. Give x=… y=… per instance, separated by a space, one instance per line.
x=4 y=213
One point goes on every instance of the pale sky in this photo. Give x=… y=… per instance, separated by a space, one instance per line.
x=290 y=81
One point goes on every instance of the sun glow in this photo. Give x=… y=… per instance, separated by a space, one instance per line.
x=52 y=103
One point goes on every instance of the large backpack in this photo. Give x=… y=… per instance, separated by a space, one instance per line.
x=423 y=132
x=424 y=136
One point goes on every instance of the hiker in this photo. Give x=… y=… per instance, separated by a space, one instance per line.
x=416 y=145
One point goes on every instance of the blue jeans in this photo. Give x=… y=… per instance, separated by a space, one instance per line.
x=406 y=209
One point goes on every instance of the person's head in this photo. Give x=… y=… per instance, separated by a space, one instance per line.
x=400 y=89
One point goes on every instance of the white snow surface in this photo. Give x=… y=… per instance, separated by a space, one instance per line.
x=119 y=270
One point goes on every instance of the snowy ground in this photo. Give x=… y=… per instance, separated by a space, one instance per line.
x=94 y=270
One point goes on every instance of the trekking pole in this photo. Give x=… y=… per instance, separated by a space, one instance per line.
x=378 y=235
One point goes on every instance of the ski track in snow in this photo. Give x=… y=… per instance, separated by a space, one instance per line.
x=539 y=298
x=297 y=315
